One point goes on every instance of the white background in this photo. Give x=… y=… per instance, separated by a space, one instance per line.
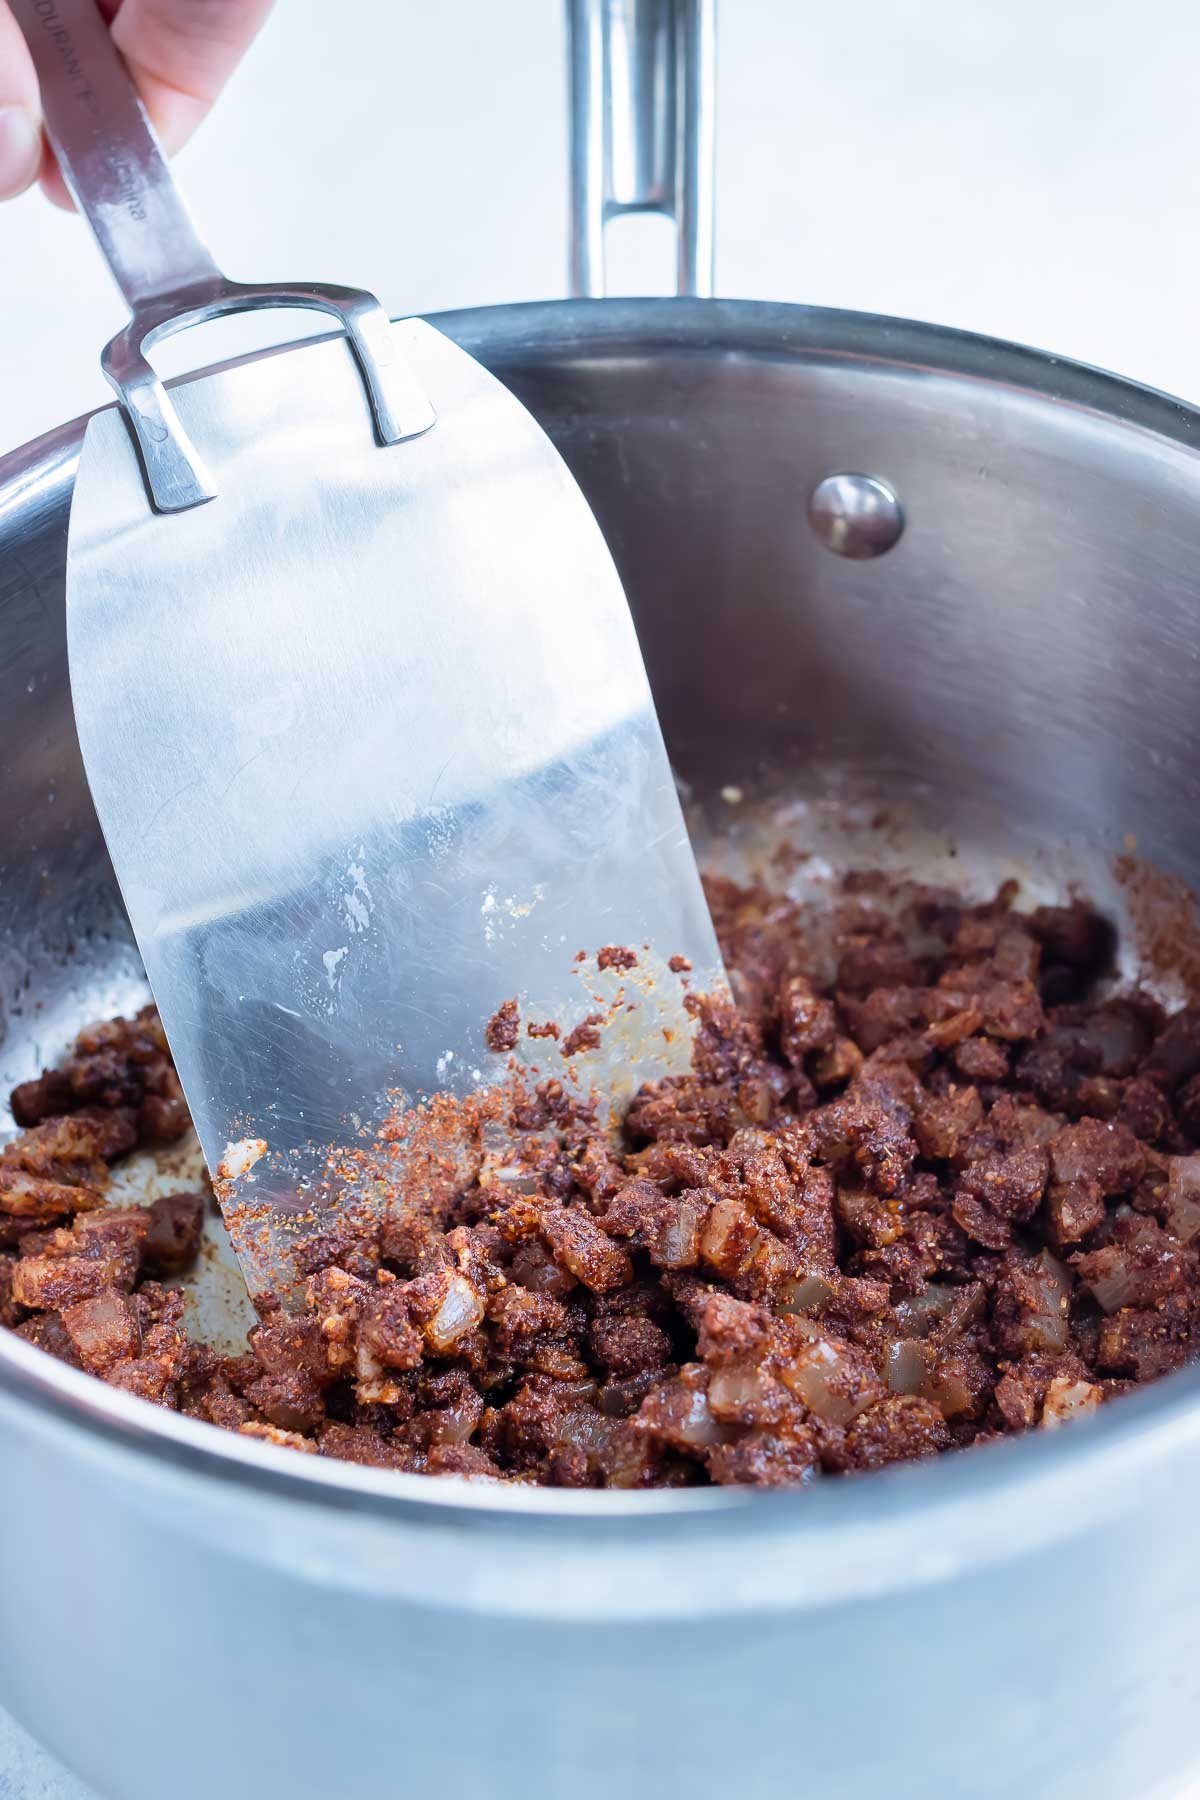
x=1030 y=168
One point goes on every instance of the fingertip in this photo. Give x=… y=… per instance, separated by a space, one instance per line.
x=54 y=187
x=20 y=150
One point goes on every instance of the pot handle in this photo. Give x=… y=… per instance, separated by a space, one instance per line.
x=115 y=169
x=642 y=103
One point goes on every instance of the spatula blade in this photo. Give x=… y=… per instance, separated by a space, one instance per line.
x=371 y=743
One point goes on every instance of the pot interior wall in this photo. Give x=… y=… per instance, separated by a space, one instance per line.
x=1027 y=650
x=1021 y=666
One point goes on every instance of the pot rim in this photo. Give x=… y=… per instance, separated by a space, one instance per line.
x=783 y=329
x=971 y=1498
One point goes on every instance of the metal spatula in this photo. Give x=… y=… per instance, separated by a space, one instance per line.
x=359 y=697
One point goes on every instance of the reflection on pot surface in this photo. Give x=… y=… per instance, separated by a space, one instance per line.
x=1016 y=670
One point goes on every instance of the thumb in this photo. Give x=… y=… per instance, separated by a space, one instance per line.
x=180 y=54
x=20 y=116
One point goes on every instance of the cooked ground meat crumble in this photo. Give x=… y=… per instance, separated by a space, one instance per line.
x=929 y=1184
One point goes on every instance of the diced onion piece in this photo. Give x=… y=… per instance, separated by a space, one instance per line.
x=460 y=1312
x=516 y=1179
x=679 y=1413
x=825 y=1380
x=1115 y=1291
x=921 y=1312
x=585 y=1429
x=385 y=1392
x=504 y=1163
x=274 y=1434
x=809 y=1294
x=240 y=1158
x=1067 y=1400
x=947 y=1389
x=535 y=1269
x=1115 y=1039
x=1047 y=1327
x=614 y=1452
x=453 y=1424
x=969 y=1306
x=729 y=1239
x=696 y=1424
x=1183 y=1197
x=104 y=1330
x=731 y=1390
x=908 y=1365
x=1117 y=1286
x=621 y=1399
x=678 y=1245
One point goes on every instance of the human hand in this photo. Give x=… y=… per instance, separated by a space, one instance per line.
x=180 y=54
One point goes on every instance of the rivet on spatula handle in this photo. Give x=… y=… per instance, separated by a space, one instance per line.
x=116 y=171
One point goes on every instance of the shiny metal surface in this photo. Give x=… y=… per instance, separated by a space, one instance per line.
x=643 y=130
x=338 y=866
x=1023 y=1619
x=118 y=177
x=855 y=515
x=369 y=737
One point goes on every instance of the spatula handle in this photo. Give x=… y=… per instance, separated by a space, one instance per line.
x=116 y=171
x=643 y=102
x=109 y=155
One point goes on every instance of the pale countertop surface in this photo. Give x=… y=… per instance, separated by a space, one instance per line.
x=1029 y=171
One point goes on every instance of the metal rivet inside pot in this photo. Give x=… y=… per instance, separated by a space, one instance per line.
x=855 y=515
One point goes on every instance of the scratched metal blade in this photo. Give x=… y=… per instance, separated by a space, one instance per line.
x=372 y=745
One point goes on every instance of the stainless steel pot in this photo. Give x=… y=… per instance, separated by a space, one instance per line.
x=185 y=1612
